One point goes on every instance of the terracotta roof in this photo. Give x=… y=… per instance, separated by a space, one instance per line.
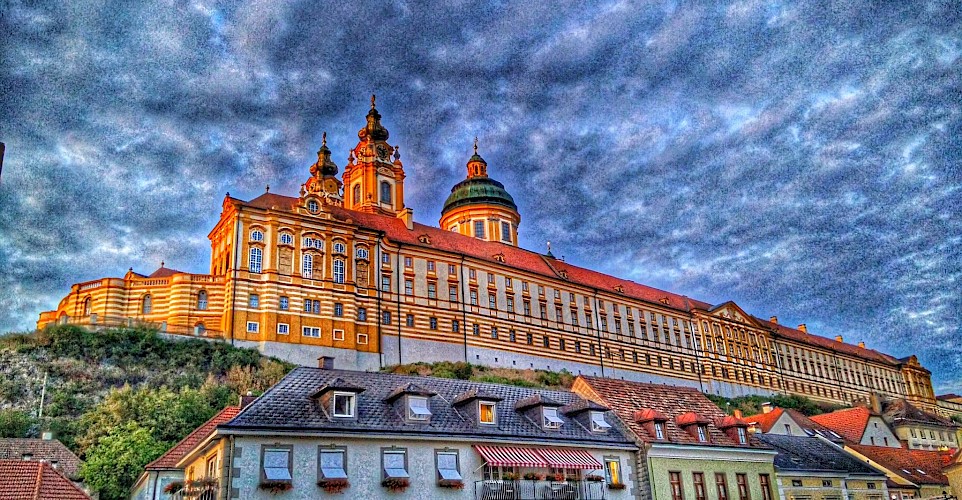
x=690 y=418
x=900 y=410
x=850 y=423
x=41 y=449
x=626 y=398
x=533 y=262
x=28 y=480
x=918 y=466
x=766 y=422
x=647 y=415
x=163 y=272
x=729 y=421
x=168 y=461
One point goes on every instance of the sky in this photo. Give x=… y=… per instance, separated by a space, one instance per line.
x=802 y=159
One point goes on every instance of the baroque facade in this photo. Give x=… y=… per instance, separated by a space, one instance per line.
x=343 y=270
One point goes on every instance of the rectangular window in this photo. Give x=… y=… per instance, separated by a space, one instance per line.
x=394 y=463
x=311 y=331
x=506 y=231
x=433 y=323
x=472 y=274
x=474 y=297
x=254 y=301
x=418 y=408
x=826 y=483
x=486 y=413
x=479 y=229
x=276 y=464
x=409 y=320
x=338 y=309
x=339 y=271
x=430 y=266
x=386 y=283
x=448 y=466
x=766 y=485
x=386 y=258
x=507 y=282
x=512 y=336
x=333 y=464
x=674 y=478
x=494 y=332
x=337 y=334
x=253 y=327
x=550 y=418
x=451 y=269
x=283 y=328
x=475 y=329
x=491 y=278
x=408 y=262
x=386 y=317
x=529 y=338
x=743 y=493
x=492 y=302
x=344 y=404
x=408 y=287
x=613 y=469
x=453 y=293
x=527 y=308
x=510 y=305
x=455 y=326
x=432 y=290
x=721 y=483
x=284 y=303
x=699 y=479
x=598 y=422
x=361 y=314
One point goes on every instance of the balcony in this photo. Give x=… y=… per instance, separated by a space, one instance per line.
x=539 y=490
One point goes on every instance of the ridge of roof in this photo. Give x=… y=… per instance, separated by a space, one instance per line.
x=30 y=480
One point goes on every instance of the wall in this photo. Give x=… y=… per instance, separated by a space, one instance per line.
x=877 y=433
x=364 y=468
x=708 y=461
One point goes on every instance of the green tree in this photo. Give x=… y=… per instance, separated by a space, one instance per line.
x=118 y=458
x=15 y=423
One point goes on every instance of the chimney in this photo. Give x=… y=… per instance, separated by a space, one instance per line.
x=861 y=344
x=803 y=328
x=875 y=403
x=838 y=338
x=325 y=362
x=766 y=407
x=738 y=413
x=247 y=399
x=773 y=319
x=47 y=436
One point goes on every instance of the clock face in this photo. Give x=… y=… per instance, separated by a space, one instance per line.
x=381 y=152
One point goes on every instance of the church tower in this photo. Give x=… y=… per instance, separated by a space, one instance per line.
x=374 y=183
x=323 y=182
x=479 y=206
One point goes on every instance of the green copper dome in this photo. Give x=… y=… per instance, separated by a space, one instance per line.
x=477 y=191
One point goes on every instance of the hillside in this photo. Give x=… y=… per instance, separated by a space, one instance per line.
x=119 y=398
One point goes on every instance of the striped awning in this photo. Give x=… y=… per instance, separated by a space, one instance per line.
x=509 y=456
x=561 y=458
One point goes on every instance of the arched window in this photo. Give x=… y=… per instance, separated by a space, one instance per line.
x=338 y=270
x=145 y=305
x=87 y=306
x=256 y=257
x=361 y=253
x=257 y=235
x=339 y=247
x=307 y=266
x=385 y=192
x=202 y=300
x=357 y=194
x=312 y=206
x=287 y=239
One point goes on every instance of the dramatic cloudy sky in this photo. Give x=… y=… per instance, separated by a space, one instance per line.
x=800 y=158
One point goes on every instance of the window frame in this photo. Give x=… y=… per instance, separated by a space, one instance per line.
x=321 y=449
x=744 y=492
x=721 y=486
x=256 y=329
x=409 y=408
x=594 y=416
x=457 y=464
x=698 y=480
x=287 y=329
x=494 y=412
x=394 y=451
x=676 y=485
x=255 y=260
x=283 y=303
x=339 y=269
x=616 y=477
x=202 y=301
x=353 y=404
x=289 y=449
x=550 y=424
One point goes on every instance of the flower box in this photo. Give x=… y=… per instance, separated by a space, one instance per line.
x=454 y=484
x=334 y=486
x=616 y=486
x=396 y=484
x=275 y=487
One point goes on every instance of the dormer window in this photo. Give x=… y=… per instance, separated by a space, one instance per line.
x=702 y=434
x=312 y=206
x=598 y=423
x=742 y=436
x=344 y=404
x=487 y=413
x=418 y=408
x=659 y=430
x=550 y=418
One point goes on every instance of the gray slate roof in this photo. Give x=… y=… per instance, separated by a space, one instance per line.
x=804 y=453
x=288 y=406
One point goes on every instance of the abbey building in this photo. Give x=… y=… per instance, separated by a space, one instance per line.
x=341 y=269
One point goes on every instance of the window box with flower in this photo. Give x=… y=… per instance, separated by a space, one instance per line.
x=335 y=485
x=396 y=484
x=454 y=484
x=275 y=487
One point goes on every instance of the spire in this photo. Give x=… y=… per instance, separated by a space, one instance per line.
x=325 y=166
x=477 y=167
x=373 y=129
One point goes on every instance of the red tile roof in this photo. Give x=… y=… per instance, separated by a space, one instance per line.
x=168 y=461
x=850 y=423
x=29 y=480
x=625 y=398
x=765 y=421
x=730 y=421
x=164 y=272
x=41 y=449
x=900 y=411
x=647 y=415
x=909 y=463
x=533 y=262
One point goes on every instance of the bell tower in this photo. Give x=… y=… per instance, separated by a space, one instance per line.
x=374 y=183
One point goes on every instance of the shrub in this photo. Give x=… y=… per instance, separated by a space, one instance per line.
x=15 y=423
x=533 y=476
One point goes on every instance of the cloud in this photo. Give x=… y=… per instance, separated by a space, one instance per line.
x=799 y=158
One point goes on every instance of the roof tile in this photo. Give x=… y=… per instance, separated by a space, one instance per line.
x=918 y=466
x=29 y=480
x=168 y=461
x=41 y=449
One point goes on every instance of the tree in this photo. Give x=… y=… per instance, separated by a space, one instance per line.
x=15 y=424
x=114 y=463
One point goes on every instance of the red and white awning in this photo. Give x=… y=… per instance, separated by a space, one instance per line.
x=509 y=456
x=561 y=458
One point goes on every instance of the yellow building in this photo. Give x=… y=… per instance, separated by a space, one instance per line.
x=343 y=270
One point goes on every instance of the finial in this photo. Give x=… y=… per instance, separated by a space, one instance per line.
x=549 y=247
x=372 y=101
x=161 y=263
x=267 y=189
x=324 y=139
x=475 y=144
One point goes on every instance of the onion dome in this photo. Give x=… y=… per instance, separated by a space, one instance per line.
x=478 y=188
x=324 y=165
x=373 y=130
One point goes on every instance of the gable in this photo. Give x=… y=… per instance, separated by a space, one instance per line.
x=731 y=312
x=877 y=433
